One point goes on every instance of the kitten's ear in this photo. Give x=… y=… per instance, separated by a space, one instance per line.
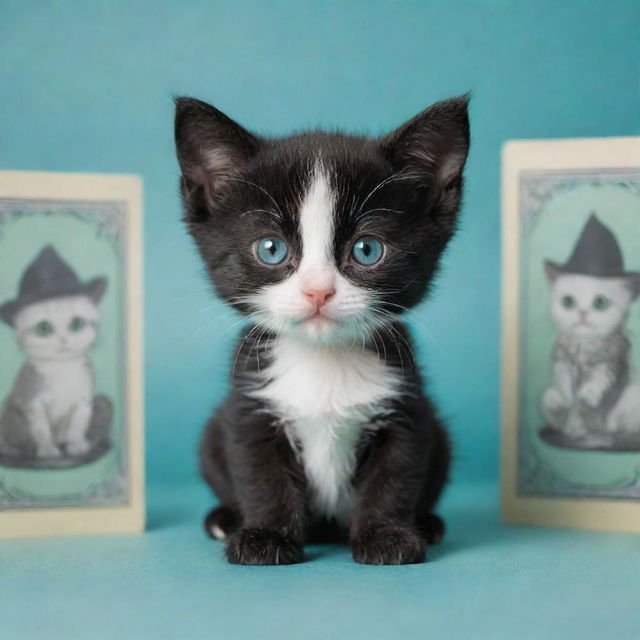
x=211 y=147
x=433 y=144
x=551 y=271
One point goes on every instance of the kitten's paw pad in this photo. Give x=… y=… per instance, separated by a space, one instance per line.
x=388 y=545
x=77 y=447
x=48 y=451
x=263 y=547
x=221 y=522
x=432 y=527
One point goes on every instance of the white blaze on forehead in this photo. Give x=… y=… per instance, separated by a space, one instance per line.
x=316 y=223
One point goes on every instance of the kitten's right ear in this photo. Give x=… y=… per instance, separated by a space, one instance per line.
x=551 y=270
x=211 y=147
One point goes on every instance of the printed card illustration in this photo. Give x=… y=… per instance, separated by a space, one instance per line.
x=52 y=417
x=66 y=428
x=592 y=402
x=572 y=325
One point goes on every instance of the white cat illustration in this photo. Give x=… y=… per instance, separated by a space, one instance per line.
x=591 y=393
x=52 y=410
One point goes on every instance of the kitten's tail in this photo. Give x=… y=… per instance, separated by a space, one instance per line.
x=625 y=416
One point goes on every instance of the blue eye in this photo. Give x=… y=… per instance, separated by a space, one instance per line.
x=367 y=251
x=272 y=251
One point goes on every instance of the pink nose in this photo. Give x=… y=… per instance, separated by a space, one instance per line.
x=318 y=297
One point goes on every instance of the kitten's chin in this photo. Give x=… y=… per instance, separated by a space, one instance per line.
x=322 y=331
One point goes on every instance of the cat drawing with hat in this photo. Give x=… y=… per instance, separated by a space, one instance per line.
x=592 y=401
x=51 y=417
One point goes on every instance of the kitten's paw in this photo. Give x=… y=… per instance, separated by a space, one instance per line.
x=48 y=451
x=554 y=400
x=222 y=522
x=388 y=545
x=592 y=394
x=77 y=447
x=263 y=547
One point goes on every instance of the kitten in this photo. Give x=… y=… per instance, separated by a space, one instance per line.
x=50 y=409
x=591 y=369
x=323 y=240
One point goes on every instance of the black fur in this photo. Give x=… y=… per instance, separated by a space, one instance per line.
x=405 y=189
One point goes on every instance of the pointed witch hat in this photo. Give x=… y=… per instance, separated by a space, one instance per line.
x=596 y=253
x=49 y=276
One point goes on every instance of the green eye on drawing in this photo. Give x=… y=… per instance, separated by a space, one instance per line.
x=43 y=329
x=77 y=324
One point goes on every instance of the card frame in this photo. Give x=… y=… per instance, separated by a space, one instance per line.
x=540 y=155
x=130 y=517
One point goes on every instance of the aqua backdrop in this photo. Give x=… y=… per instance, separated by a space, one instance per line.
x=87 y=86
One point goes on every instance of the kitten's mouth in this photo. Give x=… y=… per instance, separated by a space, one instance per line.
x=318 y=319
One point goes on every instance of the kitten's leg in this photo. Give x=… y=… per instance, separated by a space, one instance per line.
x=226 y=518
x=430 y=525
x=595 y=388
x=269 y=489
x=76 y=437
x=40 y=429
x=557 y=399
x=625 y=416
x=389 y=485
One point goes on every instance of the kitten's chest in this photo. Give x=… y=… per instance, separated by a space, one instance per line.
x=66 y=385
x=327 y=400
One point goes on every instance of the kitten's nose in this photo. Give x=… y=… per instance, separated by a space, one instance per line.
x=319 y=296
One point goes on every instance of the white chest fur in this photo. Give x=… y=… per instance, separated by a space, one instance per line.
x=326 y=397
x=66 y=385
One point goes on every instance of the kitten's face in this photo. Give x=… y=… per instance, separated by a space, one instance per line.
x=589 y=307
x=57 y=329
x=322 y=236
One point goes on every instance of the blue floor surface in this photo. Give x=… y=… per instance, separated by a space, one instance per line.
x=486 y=581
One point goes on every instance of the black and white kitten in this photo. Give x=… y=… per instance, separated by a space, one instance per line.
x=323 y=240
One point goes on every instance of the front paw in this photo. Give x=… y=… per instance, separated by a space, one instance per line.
x=592 y=394
x=553 y=399
x=77 y=447
x=388 y=545
x=47 y=451
x=263 y=547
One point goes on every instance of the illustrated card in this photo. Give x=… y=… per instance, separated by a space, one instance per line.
x=70 y=354
x=571 y=372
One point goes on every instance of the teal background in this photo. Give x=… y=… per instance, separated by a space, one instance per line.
x=553 y=236
x=90 y=256
x=87 y=86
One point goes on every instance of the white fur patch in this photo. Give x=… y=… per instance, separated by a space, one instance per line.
x=326 y=397
x=316 y=223
x=217 y=532
x=322 y=383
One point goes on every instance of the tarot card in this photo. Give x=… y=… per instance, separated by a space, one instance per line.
x=571 y=323
x=71 y=417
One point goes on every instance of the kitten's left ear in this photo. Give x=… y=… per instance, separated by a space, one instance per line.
x=433 y=144
x=211 y=147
